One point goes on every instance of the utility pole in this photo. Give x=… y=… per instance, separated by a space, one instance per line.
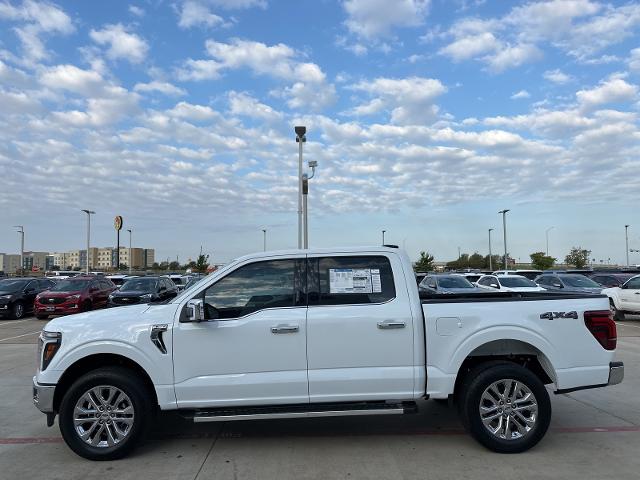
x=626 y=239
x=300 y=138
x=89 y=213
x=21 y=232
x=504 y=231
x=490 y=259
x=264 y=240
x=546 y=233
x=130 y=251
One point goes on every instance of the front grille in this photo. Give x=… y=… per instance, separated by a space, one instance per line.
x=52 y=300
x=125 y=300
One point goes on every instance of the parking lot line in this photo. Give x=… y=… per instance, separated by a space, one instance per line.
x=12 y=322
x=18 y=336
x=627 y=325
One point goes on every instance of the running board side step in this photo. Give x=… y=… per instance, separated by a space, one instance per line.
x=304 y=411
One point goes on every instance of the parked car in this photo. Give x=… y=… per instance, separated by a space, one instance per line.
x=73 y=295
x=118 y=280
x=530 y=274
x=62 y=274
x=449 y=283
x=17 y=295
x=624 y=299
x=319 y=333
x=568 y=282
x=509 y=283
x=143 y=290
x=179 y=280
x=473 y=277
x=609 y=280
x=193 y=280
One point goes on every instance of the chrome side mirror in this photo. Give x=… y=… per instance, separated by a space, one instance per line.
x=195 y=310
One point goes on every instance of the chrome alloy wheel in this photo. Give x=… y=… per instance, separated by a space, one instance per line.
x=508 y=409
x=103 y=416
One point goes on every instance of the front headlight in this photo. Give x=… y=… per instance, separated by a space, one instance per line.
x=111 y=297
x=146 y=297
x=73 y=297
x=6 y=297
x=48 y=346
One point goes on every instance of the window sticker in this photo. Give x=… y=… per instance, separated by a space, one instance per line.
x=354 y=280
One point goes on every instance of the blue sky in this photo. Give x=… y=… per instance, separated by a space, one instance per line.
x=426 y=118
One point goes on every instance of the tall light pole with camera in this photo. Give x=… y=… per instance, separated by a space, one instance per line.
x=89 y=213
x=300 y=138
x=504 y=233
x=21 y=232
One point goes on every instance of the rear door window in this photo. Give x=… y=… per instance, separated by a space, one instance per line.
x=350 y=280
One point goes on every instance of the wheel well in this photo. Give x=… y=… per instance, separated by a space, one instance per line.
x=93 y=362
x=514 y=351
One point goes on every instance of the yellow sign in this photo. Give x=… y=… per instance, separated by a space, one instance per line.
x=117 y=223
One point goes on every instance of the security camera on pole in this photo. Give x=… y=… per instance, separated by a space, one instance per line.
x=300 y=138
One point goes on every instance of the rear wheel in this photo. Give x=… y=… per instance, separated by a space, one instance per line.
x=505 y=407
x=18 y=310
x=617 y=314
x=105 y=414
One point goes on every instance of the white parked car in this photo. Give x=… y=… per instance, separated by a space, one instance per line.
x=624 y=299
x=530 y=274
x=508 y=283
x=317 y=333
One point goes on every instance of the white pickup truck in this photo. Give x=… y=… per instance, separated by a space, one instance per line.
x=316 y=333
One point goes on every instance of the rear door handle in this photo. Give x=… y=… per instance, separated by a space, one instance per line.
x=285 y=329
x=387 y=325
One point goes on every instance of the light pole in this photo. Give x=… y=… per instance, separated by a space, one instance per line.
x=305 y=206
x=300 y=138
x=89 y=213
x=504 y=232
x=130 y=252
x=490 y=259
x=546 y=233
x=264 y=239
x=21 y=232
x=383 y=232
x=626 y=239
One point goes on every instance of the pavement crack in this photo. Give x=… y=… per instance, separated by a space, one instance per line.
x=213 y=444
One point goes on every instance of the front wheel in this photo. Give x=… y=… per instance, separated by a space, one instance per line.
x=18 y=310
x=105 y=414
x=506 y=408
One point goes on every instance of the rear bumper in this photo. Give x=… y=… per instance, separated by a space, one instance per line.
x=43 y=396
x=616 y=375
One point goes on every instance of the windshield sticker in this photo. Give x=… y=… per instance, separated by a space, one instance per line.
x=354 y=280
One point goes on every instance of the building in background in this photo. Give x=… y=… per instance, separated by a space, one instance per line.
x=9 y=263
x=61 y=260
x=35 y=261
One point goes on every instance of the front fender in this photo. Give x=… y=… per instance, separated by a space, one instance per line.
x=614 y=295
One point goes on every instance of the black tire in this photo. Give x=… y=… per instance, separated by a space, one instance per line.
x=87 y=306
x=474 y=386
x=18 y=310
x=42 y=317
x=618 y=316
x=122 y=379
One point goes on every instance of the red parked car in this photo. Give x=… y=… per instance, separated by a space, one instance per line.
x=73 y=295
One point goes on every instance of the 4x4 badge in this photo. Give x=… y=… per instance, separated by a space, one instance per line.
x=553 y=315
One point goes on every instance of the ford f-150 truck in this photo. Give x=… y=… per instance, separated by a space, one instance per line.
x=316 y=333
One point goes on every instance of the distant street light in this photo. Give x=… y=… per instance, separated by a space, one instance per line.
x=626 y=238
x=383 y=232
x=490 y=259
x=89 y=213
x=21 y=232
x=504 y=232
x=130 y=252
x=546 y=233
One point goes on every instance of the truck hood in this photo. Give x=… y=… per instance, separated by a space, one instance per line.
x=98 y=320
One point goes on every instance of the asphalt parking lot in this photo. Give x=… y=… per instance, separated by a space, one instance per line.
x=594 y=434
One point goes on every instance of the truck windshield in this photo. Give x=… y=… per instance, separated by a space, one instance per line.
x=514 y=282
x=579 y=281
x=454 y=282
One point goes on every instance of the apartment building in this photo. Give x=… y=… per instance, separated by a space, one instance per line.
x=9 y=263
x=34 y=261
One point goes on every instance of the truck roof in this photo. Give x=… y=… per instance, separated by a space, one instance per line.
x=316 y=251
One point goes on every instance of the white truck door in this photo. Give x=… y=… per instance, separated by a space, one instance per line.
x=630 y=295
x=359 y=329
x=252 y=350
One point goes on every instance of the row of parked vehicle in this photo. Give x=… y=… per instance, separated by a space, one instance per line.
x=47 y=297
x=622 y=288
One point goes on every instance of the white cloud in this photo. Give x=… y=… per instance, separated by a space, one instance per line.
x=199 y=70
x=556 y=76
x=162 y=87
x=194 y=13
x=470 y=46
x=513 y=56
x=137 y=11
x=238 y=4
x=373 y=18
x=192 y=112
x=613 y=90
x=245 y=105
x=519 y=95
x=121 y=44
x=634 y=60
x=73 y=79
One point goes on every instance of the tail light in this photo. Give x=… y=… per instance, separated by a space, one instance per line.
x=602 y=327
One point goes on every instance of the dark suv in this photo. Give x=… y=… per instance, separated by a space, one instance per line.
x=143 y=290
x=568 y=282
x=73 y=295
x=17 y=295
x=609 y=280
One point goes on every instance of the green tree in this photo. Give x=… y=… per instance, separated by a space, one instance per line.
x=202 y=263
x=542 y=261
x=476 y=261
x=174 y=265
x=155 y=266
x=124 y=266
x=424 y=263
x=578 y=257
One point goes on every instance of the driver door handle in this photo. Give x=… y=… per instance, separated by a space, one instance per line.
x=390 y=324
x=285 y=329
